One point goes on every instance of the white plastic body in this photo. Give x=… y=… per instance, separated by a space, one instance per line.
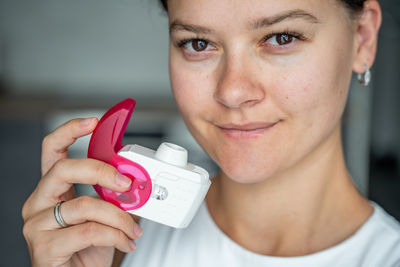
x=187 y=187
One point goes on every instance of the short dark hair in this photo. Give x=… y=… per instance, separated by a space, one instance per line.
x=354 y=6
x=164 y=4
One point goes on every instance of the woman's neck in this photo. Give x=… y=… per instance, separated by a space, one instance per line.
x=310 y=207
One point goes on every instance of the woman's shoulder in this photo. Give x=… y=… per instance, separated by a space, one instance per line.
x=379 y=239
x=382 y=225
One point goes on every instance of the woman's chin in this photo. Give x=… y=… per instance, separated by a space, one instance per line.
x=245 y=173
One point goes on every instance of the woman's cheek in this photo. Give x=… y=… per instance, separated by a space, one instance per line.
x=192 y=86
x=313 y=100
x=295 y=93
x=184 y=88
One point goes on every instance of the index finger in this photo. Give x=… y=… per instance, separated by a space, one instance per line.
x=64 y=174
x=55 y=145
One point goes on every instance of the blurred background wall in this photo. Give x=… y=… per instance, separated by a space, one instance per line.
x=65 y=59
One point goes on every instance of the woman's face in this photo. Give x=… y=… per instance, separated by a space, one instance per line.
x=261 y=84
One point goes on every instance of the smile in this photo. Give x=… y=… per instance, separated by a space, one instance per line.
x=245 y=131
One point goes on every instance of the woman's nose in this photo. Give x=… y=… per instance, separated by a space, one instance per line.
x=238 y=86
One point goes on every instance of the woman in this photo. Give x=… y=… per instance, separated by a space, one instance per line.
x=261 y=85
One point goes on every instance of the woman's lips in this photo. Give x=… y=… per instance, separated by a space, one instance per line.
x=246 y=131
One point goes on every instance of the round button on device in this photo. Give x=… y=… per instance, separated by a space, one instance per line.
x=172 y=154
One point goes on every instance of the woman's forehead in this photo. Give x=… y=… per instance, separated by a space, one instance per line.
x=249 y=12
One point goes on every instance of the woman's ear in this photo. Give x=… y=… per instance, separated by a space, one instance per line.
x=367 y=28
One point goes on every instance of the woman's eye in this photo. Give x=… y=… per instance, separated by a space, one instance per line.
x=281 y=39
x=196 y=45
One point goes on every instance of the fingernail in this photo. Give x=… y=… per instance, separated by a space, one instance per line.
x=123 y=181
x=138 y=230
x=132 y=244
x=86 y=122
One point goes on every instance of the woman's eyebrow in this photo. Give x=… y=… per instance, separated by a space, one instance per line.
x=292 y=14
x=177 y=25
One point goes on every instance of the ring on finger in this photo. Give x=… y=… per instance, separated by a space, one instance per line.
x=58 y=216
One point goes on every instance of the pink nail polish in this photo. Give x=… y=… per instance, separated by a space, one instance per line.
x=138 y=230
x=132 y=244
x=86 y=121
x=122 y=180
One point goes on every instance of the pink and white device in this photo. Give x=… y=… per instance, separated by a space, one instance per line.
x=165 y=187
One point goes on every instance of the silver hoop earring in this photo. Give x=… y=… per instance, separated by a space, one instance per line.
x=365 y=78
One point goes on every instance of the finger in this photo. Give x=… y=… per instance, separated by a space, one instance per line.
x=83 y=209
x=67 y=172
x=55 y=145
x=66 y=241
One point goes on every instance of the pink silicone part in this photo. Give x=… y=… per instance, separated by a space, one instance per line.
x=106 y=139
x=140 y=189
x=104 y=145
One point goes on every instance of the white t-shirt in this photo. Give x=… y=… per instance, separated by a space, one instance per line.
x=203 y=244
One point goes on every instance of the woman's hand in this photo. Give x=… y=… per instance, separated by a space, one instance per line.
x=95 y=227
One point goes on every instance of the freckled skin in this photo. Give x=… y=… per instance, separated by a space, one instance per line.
x=305 y=90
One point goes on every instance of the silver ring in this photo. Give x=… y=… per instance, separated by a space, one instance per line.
x=57 y=215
